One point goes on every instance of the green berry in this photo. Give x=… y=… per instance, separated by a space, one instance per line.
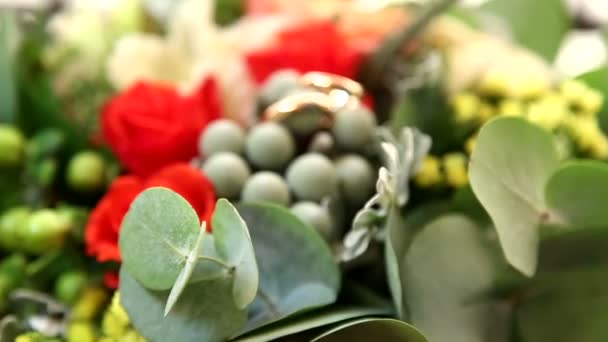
x=69 y=285
x=312 y=177
x=12 y=145
x=278 y=85
x=228 y=172
x=221 y=136
x=11 y=227
x=354 y=128
x=44 y=230
x=266 y=186
x=86 y=171
x=356 y=178
x=269 y=146
x=315 y=215
x=322 y=142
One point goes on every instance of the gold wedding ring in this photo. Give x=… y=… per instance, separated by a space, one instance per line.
x=327 y=82
x=329 y=93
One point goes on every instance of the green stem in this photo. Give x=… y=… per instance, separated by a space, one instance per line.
x=381 y=59
x=217 y=261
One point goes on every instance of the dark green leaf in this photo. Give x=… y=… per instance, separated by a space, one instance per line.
x=8 y=45
x=565 y=307
x=447 y=272
x=509 y=167
x=203 y=312
x=578 y=191
x=157 y=234
x=372 y=329
x=311 y=320
x=297 y=269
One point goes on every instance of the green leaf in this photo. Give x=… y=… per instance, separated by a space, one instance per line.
x=310 y=320
x=9 y=328
x=570 y=306
x=446 y=274
x=372 y=329
x=508 y=170
x=8 y=92
x=297 y=269
x=567 y=299
x=203 y=313
x=398 y=239
x=522 y=18
x=184 y=276
x=578 y=191
x=233 y=245
x=157 y=234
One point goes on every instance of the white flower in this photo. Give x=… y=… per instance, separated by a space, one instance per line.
x=194 y=49
x=82 y=35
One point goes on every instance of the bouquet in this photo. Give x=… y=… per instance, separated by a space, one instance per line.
x=270 y=170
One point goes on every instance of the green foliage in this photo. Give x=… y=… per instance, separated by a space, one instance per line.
x=8 y=93
x=579 y=191
x=162 y=245
x=233 y=244
x=215 y=276
x=157 y=234
x=522 y=16
x=446 y=274
x=372 y=329
x=308 y=280
x=519 y=183
x=311 y=320
x=566 y=301
x=203 y=312
x=509 y=167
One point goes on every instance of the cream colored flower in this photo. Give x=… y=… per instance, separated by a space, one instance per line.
x=82 y=35
x=472 y=55
x=194 y=49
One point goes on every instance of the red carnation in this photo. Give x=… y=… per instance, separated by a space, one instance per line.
x=150 y=125
x=317 y=46
x=101 y=235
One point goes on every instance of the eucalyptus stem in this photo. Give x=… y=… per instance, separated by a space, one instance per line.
x=380 y=60
x=217 y=261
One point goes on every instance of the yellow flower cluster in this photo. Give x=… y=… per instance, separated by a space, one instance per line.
x=450 y=170
x=116 y=326
x=570 y=109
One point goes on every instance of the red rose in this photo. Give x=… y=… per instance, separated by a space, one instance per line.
x=317 y=46
x=150 y=125
x=101 y=234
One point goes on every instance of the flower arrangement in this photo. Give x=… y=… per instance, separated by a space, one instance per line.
x=270 y=170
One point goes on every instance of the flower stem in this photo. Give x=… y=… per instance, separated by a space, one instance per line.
x=217 y=261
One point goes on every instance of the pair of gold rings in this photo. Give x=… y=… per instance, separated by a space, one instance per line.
x=331 y=93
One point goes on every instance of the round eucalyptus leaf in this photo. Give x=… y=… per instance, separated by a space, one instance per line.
x=230 y=232
x=446 y=274
x=297 y=269
x=372 y=329
x=204 y=312
x=578 y=191
x=233 y=245
x=156 y=235
x=509 y=167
